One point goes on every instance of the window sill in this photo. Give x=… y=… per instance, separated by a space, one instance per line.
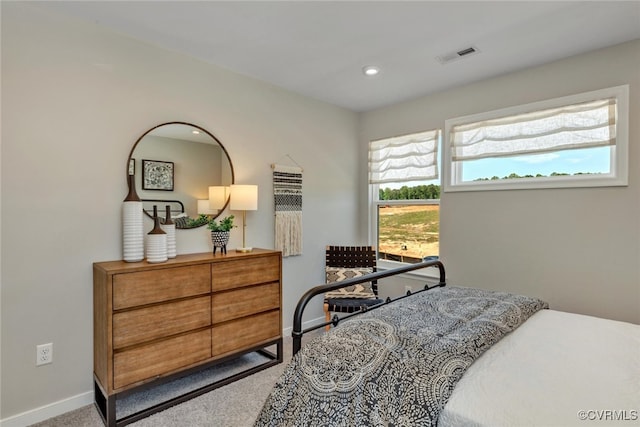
x=539 y=183
x=424 y=273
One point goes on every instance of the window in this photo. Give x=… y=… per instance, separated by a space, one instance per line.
x=405 y=196
x=574 y=141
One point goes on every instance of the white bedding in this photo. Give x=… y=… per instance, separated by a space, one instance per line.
x=548 y=370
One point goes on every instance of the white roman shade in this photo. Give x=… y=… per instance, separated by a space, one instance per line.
x=584 y=125
x=404 y=158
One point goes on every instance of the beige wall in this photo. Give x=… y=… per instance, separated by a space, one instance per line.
x=75 y=98
x=577 y=248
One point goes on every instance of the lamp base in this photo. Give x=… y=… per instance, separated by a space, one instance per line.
x=243 y=250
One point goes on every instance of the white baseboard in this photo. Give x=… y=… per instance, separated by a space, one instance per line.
x=76 y=402
x=48 y=411
x=286 y=332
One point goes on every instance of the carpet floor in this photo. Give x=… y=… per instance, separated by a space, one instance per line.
x=234 y=405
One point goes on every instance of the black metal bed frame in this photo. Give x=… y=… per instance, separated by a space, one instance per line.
x=298 y=332
x=179 y=209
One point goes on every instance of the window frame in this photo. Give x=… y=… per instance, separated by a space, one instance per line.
x=452 y=171
x=375 y=202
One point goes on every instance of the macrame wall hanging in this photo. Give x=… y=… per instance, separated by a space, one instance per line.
x=287 y=191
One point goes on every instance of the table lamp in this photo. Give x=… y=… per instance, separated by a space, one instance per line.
x=244 y=198
x=204 y=209
x=218 y=196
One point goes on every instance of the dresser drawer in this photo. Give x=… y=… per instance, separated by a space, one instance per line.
x=147 y=287
x=244 y=272
x=245 y=301
x=149 y=323
x=161 y=357
x=245 y=333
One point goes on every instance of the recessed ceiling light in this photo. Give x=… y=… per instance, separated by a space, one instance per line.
x=195 y=132
x=370 y=70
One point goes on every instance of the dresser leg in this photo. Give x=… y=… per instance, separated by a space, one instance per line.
x=106 y=405
x=111 y=411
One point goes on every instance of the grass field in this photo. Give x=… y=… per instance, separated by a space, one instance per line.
x=411 y=231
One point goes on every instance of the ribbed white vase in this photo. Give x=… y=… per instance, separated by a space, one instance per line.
x=132 y=226
x=156 y=247
x=169 y=227
x=132 y=232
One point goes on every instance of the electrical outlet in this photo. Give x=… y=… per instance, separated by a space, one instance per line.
x=44 y=354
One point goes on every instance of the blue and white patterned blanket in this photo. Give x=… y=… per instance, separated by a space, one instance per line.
x=396 y=365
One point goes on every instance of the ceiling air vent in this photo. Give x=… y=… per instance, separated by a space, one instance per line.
x=454 y=56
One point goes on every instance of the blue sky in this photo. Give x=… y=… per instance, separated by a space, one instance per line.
x=592 y=160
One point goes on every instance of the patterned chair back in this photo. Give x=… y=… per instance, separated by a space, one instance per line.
x=352 y=257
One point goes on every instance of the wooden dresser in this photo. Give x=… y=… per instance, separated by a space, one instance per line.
x=156 y=322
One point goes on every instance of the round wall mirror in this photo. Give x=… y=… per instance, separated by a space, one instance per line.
x=174 y=164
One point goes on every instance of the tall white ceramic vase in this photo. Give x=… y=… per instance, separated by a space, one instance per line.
x=132 y=226
x=156 y=241
x=169 y=227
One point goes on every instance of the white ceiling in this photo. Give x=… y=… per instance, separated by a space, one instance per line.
x=318 y=48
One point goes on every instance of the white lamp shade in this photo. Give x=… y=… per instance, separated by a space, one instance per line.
x=218 y=197
x=244 y=197
x=204 y=209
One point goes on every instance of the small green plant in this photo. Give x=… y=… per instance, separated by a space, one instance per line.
x=225 y=224
x=197 y=222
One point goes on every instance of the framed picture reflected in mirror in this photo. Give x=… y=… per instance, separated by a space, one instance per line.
x=157 y=175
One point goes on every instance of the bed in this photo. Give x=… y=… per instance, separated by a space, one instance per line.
x=453 y=356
